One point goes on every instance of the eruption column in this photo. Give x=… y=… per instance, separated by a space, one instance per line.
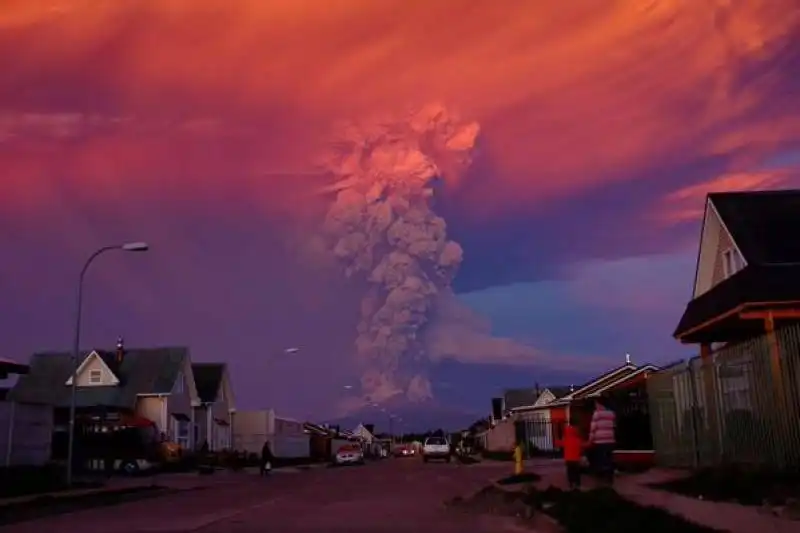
x=382 y=229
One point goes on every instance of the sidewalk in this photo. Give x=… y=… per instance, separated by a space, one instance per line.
x=718 y=515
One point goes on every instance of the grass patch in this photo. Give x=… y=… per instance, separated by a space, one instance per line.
x=737 y=485
x=595 y=511
x=20 y=481
x=55 y=505
x=605 y=511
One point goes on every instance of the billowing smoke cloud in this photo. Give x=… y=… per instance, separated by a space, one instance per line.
x=384 y=231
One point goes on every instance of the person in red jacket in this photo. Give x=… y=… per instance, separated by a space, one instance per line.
x=573 y=446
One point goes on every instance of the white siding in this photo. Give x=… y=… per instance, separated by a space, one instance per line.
x=287 y=437
x=31 y=436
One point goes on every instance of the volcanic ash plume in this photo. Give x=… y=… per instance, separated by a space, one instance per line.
x=382 y=229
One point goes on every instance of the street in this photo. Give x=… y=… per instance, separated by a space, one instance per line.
x=395 y=495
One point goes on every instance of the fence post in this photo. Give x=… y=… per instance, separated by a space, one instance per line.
x=693 y=410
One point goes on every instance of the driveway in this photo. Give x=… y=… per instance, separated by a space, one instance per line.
x=396 y=495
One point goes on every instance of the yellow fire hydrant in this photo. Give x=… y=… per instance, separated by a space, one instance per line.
x=517 y=460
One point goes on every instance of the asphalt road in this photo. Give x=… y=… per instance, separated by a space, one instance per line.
x=395 y=495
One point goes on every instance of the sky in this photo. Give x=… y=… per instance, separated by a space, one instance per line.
x=194 y=125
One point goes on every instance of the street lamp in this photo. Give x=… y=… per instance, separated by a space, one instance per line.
x=76 y=346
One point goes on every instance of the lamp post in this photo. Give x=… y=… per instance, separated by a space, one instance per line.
x=76 y=346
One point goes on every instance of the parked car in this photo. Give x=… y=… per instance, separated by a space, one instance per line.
x=436 y=448
x=349 y=454
x=404 y=450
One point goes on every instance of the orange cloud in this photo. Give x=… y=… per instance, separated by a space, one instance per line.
x=688 y=203
x=194 y=96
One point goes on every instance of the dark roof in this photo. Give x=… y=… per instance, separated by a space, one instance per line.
x=767 y=283
x=559 y=391
x=605 y=378
x=762 y=223
x=520 y=397
x=144 y=371
x=208 y=379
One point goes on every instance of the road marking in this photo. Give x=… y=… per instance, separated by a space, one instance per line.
x=196 y=523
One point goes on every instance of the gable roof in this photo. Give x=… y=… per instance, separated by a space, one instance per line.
x=560 y=391
x=642 y=370
x=589 y=387
x=540 y=404
x=762 y=224
x=111 y=365
x=142 y=371
x=514 y=398
x=601 y=380
x=208 y=380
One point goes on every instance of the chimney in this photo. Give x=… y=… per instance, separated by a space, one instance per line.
x=120 y=350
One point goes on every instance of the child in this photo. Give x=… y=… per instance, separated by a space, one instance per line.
x=573 y=446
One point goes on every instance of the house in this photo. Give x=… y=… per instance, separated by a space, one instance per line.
x=214 y=416
x=744 y=314
x=748 y=269
x=544 y=422
x=515 y=398
x=287 y=437
x=363 y=434
x=26 y=429
x=747 y=282
x=154 y=385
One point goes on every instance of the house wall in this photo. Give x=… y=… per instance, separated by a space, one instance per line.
x=501 y=437
x=724 y=242
x=201 y=432
x=287 y=438
x=29 y=441
x=250 y=430
x=219 y=436
x=179 y=402
x=153 y=408
x=222 y=435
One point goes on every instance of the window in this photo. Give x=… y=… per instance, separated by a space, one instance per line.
x=731 y=262
x=178 y=388
x=95 y=377
x=182 y=433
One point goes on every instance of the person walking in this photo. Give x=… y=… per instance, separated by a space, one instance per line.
x=266 y=458
x=572 y=446
x=602 y=440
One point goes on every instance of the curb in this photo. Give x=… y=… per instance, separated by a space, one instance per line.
x=67 y=494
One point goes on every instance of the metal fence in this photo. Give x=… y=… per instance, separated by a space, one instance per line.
x=740 y=405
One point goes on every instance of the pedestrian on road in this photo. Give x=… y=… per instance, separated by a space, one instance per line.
x=266 y=458
x=603 y=441
x=572 y=445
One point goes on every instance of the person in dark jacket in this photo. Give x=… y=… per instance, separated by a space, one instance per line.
x=266 y=458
